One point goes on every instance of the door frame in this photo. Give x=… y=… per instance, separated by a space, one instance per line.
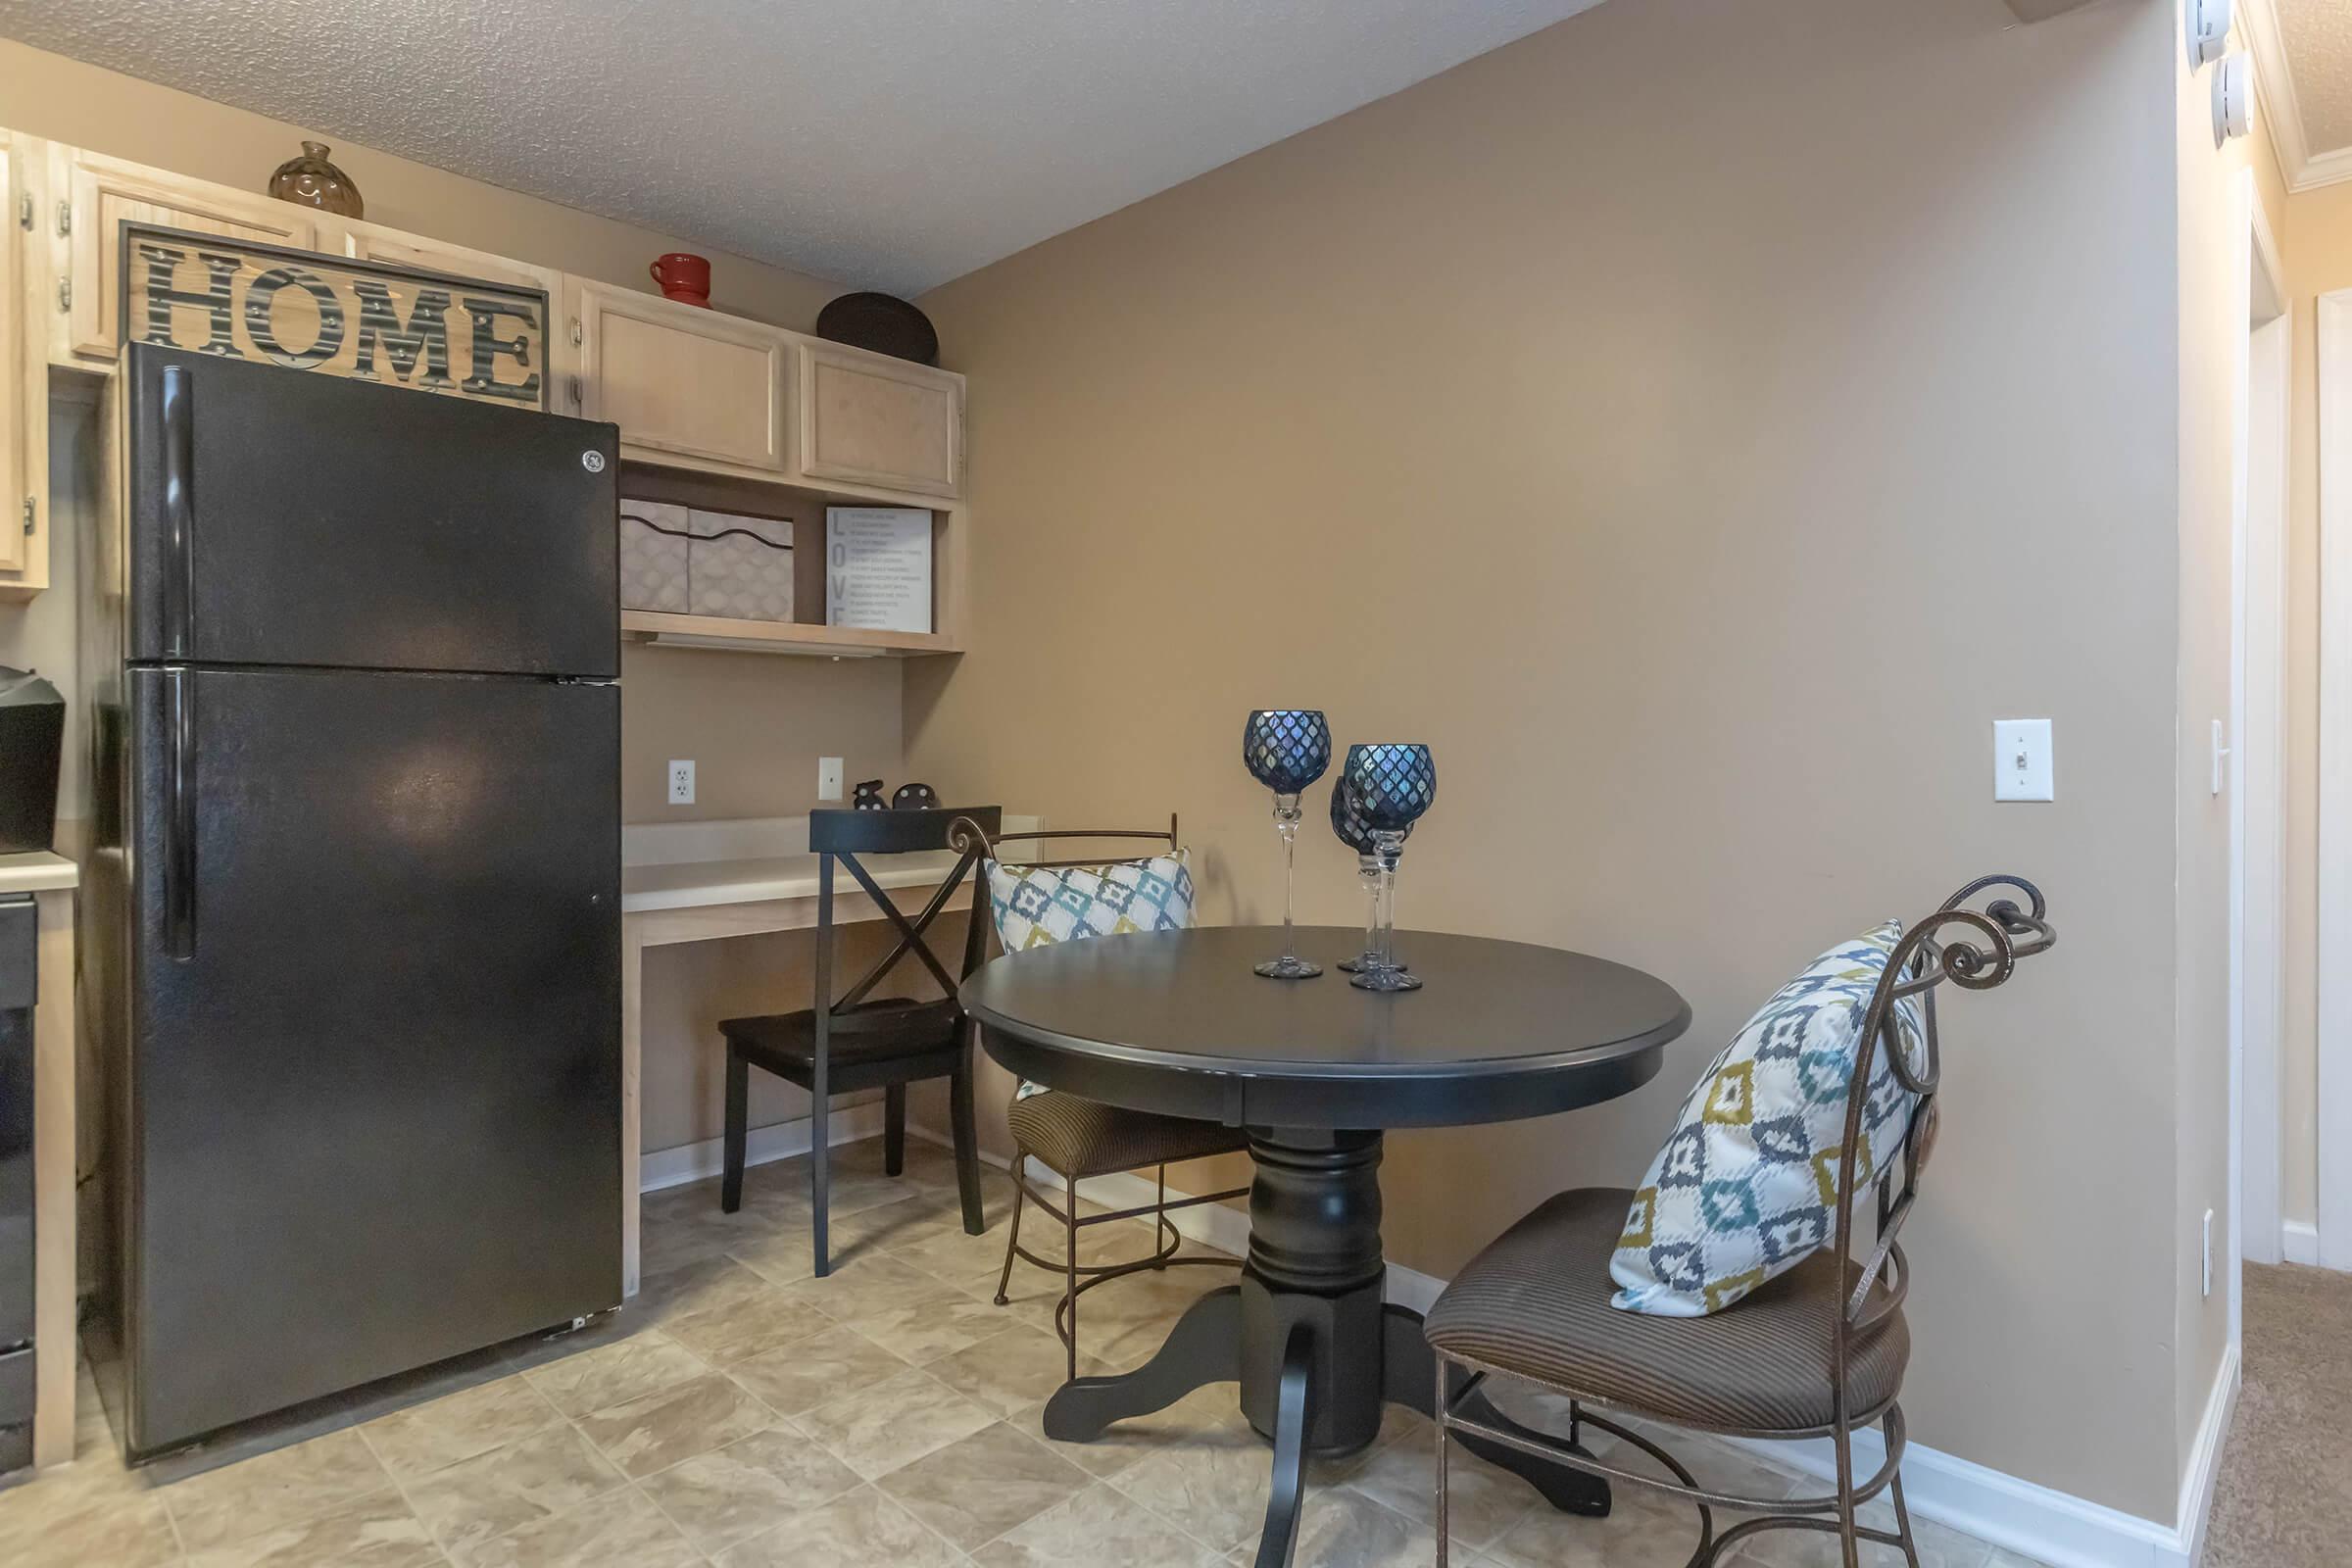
x=2257 y=742
x=2334 y=978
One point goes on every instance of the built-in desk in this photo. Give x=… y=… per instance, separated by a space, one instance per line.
x=700 y=881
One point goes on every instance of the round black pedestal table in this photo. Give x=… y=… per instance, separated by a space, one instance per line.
x=1316 y=1070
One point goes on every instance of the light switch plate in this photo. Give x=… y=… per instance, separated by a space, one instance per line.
x=2022 y=768
x=828 y=778
x=681 y=783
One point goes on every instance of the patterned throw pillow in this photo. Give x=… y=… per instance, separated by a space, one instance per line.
x=1035 y=906
x=1747 y=1186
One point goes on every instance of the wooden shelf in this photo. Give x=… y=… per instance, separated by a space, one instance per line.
x=788 y=637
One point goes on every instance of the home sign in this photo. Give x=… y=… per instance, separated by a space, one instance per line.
x=364 y=321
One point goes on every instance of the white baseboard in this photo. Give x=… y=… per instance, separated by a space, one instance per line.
x=693 y=1162
x=2299 y=1241
x=2205 y=1458
x=2053 y=1527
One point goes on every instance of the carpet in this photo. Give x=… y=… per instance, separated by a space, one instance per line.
x=2283 y=1499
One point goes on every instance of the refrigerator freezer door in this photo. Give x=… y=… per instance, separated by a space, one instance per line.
x=374 y=1059
x=282 y=518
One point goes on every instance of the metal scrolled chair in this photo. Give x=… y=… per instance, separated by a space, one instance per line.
x=1818 y=1351
x=1078 y=1138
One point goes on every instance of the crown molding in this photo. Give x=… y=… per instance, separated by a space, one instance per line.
x=2282 y=114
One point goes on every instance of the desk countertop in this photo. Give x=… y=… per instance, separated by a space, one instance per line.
x=38 y=872
x=689 y=883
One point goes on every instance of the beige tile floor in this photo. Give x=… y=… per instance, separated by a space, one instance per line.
x=743 y=1414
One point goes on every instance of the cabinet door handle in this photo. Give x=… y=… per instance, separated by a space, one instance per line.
x=179 y=511
x=179 y=813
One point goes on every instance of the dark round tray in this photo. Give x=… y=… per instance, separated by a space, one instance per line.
x=882 y=322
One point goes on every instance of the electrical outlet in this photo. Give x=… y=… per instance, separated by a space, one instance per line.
x=681 y=783
x=828 y=778
x=2022 y=768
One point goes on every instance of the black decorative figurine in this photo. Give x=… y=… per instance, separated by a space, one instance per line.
x=866 y=796
x=1287 y=749
x=914 y=798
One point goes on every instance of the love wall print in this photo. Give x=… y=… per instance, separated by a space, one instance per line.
x=305 y=312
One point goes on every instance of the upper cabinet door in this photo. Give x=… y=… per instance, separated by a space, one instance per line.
x=688 y=387
x=867 y=420
x=105 y=192
x=374 y=242
x=16 y=521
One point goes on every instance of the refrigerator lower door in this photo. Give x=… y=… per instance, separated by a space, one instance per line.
x=375 y=1065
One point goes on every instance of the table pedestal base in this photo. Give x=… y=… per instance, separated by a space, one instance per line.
x=1306 y=1334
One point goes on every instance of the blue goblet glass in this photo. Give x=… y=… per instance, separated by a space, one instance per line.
x=1287 y=749
x=1392 y=786
x=1349 y=826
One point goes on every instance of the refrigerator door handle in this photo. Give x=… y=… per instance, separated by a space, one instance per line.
x=179 y=813
x=179 y=511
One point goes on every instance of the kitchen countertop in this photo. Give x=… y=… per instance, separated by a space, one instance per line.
x=685 y=866
x=37 y=871
x=683 y=886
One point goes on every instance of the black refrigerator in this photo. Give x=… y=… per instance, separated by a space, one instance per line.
x=356 y=914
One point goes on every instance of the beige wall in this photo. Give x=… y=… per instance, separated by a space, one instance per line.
x=2316 y=239
x=2212 y=267
x=755 y=724
x=1699 y=421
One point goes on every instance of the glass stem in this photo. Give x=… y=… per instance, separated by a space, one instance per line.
x=1368 y=869
x=1286 y=823
x=1390 y=846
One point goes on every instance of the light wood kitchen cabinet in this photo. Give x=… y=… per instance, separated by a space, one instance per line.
x=374 y=242
x=867 y=420
x=24 y=392
x=681 y=382
x=90 y=196
x=693 y=390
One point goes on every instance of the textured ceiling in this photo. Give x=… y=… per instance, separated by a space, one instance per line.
x=890 y=143
x=2317 y=35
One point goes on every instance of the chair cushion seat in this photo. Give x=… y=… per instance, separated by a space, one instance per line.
x=872 y=1031
x=1079 y=1138
x=1535 y=1303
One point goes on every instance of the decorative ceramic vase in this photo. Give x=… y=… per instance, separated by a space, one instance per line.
x=310 y=181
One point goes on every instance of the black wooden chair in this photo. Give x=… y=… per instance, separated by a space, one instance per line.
x=1079 y=1139
x=858 y=1042
x=1817 y=1352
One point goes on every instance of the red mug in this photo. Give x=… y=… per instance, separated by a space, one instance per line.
x=684 y=277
